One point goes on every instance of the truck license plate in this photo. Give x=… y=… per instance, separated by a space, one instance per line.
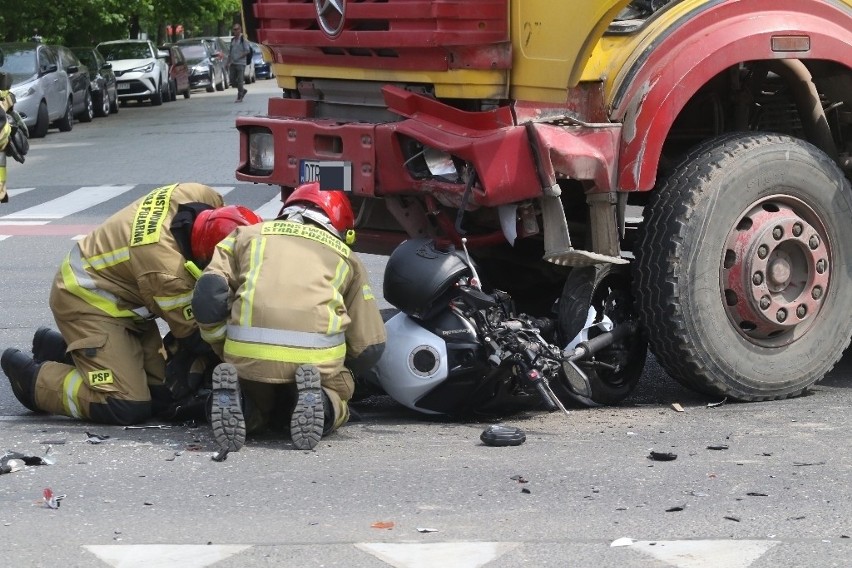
x=331 y=174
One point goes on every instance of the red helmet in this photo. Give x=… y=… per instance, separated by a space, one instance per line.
x=213 y=225
x=334 y=204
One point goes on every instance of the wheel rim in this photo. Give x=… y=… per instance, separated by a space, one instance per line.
x=776 y=270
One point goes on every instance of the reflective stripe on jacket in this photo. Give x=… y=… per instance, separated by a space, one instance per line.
x=131 y=266
x=297 y=295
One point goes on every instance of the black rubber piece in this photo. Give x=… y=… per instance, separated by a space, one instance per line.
x=502 y=435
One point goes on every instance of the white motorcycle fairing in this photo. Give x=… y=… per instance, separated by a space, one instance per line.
x=413 y=363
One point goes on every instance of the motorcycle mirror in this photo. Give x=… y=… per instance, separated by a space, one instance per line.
x=577 y=379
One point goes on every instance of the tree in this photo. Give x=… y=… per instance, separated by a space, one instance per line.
x=87 y=22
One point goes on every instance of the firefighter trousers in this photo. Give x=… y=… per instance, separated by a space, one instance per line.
x=116 y=361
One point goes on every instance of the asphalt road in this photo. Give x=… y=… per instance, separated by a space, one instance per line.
x=395 y=488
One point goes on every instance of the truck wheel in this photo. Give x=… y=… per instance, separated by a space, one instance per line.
x=605 y=288
x=744 y=269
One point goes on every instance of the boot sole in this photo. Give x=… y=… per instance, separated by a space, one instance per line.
x=226 y=413
x=308 y=416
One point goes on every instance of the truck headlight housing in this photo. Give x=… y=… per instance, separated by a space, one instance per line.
x=261 y=151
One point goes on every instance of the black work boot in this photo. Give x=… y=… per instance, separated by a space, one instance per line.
x=226 y=411
x=306 y=423
x=22 y=372
x=49 y=345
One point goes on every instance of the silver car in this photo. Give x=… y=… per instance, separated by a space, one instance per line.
x=140 y=69
x=40 y=86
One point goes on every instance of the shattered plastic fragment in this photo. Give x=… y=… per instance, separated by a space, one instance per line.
x=623 y=541
x=677 y=407
x=757 y=494
x=717 y=447
x=715 y=404
x=382 y=525
x=50 y=500
x=662 y=456
x=426 y=530
x=221 y=455
x=676 y=508
x=95 y=438
x=519 y=478
x=525 y=490
x=731 y=518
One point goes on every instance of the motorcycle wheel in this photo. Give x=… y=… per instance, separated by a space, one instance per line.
x=606 y=288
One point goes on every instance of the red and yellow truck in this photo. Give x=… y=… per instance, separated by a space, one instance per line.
x=691 y=158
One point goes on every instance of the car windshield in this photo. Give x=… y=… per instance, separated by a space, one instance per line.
x=19 y=63
x=194 y=53
x=116 y=51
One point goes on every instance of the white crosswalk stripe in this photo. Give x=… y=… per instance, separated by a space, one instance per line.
x=58 y=212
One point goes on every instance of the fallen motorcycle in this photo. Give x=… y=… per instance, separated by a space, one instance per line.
x=455 y=349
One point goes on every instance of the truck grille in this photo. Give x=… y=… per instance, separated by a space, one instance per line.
x=390 y=34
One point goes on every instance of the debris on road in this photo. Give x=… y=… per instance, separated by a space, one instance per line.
x=718 y=447
x=95 y=438
x=149 y=426
x=519 y=479
x=676 y=509
x=677 y=407
x=50 y=500
x=382 y=525
x=220 y=456
x=623 y=541
x=803 y=464
x=11 y=462
x=731 y=518
x=715 y=404
x=426 y=530
x=502 y=435
x=662 y=456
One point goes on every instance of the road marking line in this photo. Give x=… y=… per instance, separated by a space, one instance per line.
x=455 y=554
x=705 y=553
x=70 y=203
x=163 y=555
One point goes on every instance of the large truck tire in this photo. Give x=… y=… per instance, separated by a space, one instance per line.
x=743 y=272
x=615 y=371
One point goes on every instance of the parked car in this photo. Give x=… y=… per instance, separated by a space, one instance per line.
x=102 y=82
x=139 y=67
x=262 y=69
x=206 y=71
x=220 y=48
x=78 y=77
x=178 y=71
x=40 y=87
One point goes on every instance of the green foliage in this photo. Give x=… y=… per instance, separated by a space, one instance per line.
x=87 y=22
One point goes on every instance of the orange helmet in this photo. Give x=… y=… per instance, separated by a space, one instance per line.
x=334 y=204
x=213 y=225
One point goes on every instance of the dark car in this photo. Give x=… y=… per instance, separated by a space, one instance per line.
x=40 y=86
x=206 y=70
x=102 y=81
x=78 y=76
x=178 y=71
x=262 y=69
x=220 y=48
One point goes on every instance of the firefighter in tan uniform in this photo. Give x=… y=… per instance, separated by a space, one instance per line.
x=140 y=264
x=287 y=302
x=13 y=132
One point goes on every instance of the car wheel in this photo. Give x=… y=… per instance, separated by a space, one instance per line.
x=157 y=97
x=88 y=109
x=66 y=123
x=102 y=103
x=222 y=84
x=172 y=91
x=212 y=86
x=186 y=93
x=113 y=105
x=39 y=129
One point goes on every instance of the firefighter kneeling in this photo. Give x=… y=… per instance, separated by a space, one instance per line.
x=140 y=264
x=287 y=305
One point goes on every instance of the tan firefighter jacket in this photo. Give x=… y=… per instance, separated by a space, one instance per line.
x=132 y=267
x=297 y=294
